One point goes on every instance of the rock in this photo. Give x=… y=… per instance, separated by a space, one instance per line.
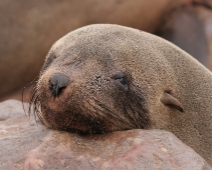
x=28 y=145
x=135 y=149
x=18 y=135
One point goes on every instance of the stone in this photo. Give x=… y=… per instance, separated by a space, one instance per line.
x=27 y=144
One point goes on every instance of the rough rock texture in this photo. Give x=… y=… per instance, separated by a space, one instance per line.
x=25 y=145
x=29 y=28
x=18 y=135
x=135 y=149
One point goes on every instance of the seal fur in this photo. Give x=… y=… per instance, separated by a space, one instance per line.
x=119 y=78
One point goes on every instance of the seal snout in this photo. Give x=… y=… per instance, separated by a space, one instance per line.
x=58 y=82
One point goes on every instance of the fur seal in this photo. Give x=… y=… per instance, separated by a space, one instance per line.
x=102 y=78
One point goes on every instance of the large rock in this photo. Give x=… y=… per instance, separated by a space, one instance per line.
x=30 y=146
x=18 y=135
x=135 y=149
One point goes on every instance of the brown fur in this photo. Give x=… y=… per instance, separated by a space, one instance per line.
x=121 y=78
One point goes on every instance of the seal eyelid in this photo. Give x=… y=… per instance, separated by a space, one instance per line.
x=121 y=77
x=49 y=59
x=52 y=56
x=121 y=80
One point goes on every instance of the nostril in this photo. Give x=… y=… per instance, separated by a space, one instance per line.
x=58 y=82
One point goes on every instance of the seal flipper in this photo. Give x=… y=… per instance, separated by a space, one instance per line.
x=168 y=100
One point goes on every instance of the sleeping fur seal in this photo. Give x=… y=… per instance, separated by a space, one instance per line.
x=103 y=78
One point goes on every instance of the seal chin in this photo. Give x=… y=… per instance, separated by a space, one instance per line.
x=78 y=122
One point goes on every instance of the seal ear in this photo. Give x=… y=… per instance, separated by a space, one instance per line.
x=168 y=100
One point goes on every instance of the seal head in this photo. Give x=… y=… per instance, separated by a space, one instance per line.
x=82 y=88
x=103 y=78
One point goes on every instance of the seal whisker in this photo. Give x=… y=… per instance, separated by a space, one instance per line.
x=141 y=117
x=97 y=109
x=38 y=113
x=112 y=115
x=132 y=120
x=34 y=100
x=118 y=117
x=141 y=113
x=33 y=81
x=98 y=126
x=32 y=97
x=71 y=121
x=36 y=107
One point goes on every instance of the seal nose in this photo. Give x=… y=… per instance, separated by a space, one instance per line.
x=58 y=83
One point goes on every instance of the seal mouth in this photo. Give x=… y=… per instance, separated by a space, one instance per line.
x=91 y=116
x=53 y=119
x=74 y=122
x=35 y=104
x=97 y=120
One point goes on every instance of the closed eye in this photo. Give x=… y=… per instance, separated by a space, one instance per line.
x=121 y=81
x=49 y=60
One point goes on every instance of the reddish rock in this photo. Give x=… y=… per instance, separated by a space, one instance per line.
x=18 y=135
x=135 y=149
x=30 y=146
